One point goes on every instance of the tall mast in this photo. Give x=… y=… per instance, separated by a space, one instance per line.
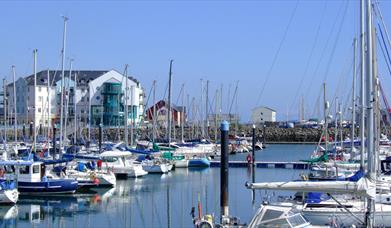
x=169 y=104
x=132 y=126
x=126 y=106
x=206 y=110
x=67 y=94
x=183 y=114
x=154 y=112
x=62 y=79
x=216 y=111
x=201 y=102
x=75 y=109
x=336 y=127
x=5 y=108
x=326 y=106
x=49 y=111
x=15 y=117
x=89 y=114
x=370 y=114
x=340 y=124
x=35 y=96
x=353 y=98
x=362 y=84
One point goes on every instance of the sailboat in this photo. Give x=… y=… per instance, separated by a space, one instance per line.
x=364 y=209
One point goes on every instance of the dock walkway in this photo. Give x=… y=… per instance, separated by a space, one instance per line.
x=266 y=164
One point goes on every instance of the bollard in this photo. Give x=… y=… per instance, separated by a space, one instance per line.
x=31 y=130
x=253 y=145
x=224 y=170
x=100 y=138
x=24 y=132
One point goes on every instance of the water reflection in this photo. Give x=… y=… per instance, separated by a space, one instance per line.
x=151 y=201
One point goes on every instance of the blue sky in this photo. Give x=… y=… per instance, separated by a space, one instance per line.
x=220 y=41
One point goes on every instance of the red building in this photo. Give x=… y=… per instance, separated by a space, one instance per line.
x=178 y=113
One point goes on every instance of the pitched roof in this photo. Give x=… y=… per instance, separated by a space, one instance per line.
x=265 y=108
x=83 y=76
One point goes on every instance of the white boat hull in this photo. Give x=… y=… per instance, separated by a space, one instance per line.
x=9 y=196
x=161 y=168
x=181 y=163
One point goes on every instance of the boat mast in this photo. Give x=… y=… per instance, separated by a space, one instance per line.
x=49 y=111
x=35 y=90
x=336 y=127
x=183 y=114
x=216 y=111
x=132 y=126
x=15 y=117
x=75 y=108
x=206 y=110
x=369 y=218
x=169 y=104
x=353 y=99
x=62 y=79
x=5 y=108
x=201 y=119
x=126 y=105
x=154 y=112
x=67 y=95
x=362 y=84
x=326 y=105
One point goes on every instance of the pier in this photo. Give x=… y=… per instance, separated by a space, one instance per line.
x=266 y=164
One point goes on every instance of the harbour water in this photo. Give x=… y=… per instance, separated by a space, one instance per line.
x=156 y=200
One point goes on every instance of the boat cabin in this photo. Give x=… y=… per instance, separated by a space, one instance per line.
x=26 y=171
x=277 y=216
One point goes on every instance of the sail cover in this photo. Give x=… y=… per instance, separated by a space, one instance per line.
x=363 y=186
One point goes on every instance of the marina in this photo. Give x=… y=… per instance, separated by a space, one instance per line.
x=152 y=114
x=153 y=200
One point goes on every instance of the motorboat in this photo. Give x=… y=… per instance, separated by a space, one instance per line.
x=34 y=178
x=121 y=164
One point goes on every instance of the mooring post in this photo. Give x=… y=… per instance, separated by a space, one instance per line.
x=24 y=132
x=224 y=170
x=100 y=138
x=31 y=130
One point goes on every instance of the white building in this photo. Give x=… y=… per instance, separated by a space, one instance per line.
x=263 y=114
x=42 y=104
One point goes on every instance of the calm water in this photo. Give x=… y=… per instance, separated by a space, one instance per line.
x=155 y=200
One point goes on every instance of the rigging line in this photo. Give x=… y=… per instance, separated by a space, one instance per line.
x=382 y=49
x=323 y=53
x=179 y=95
x=269 y=72
x=149 y=96
x=381 y=19
x=233 y=97
x=385 y=58
x=336 y=42
x=384 y=43
x=310 y=56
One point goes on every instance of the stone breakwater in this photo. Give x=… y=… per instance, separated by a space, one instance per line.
x=272 y=134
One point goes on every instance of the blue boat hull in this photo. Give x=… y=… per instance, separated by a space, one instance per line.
x=50 y=186
x=201 y=162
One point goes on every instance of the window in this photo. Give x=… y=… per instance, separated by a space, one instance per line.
x=24 y=169
x=39 y=109
x=39 y=89
x=40 y=99
x=82 y=99
x=36 y=169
